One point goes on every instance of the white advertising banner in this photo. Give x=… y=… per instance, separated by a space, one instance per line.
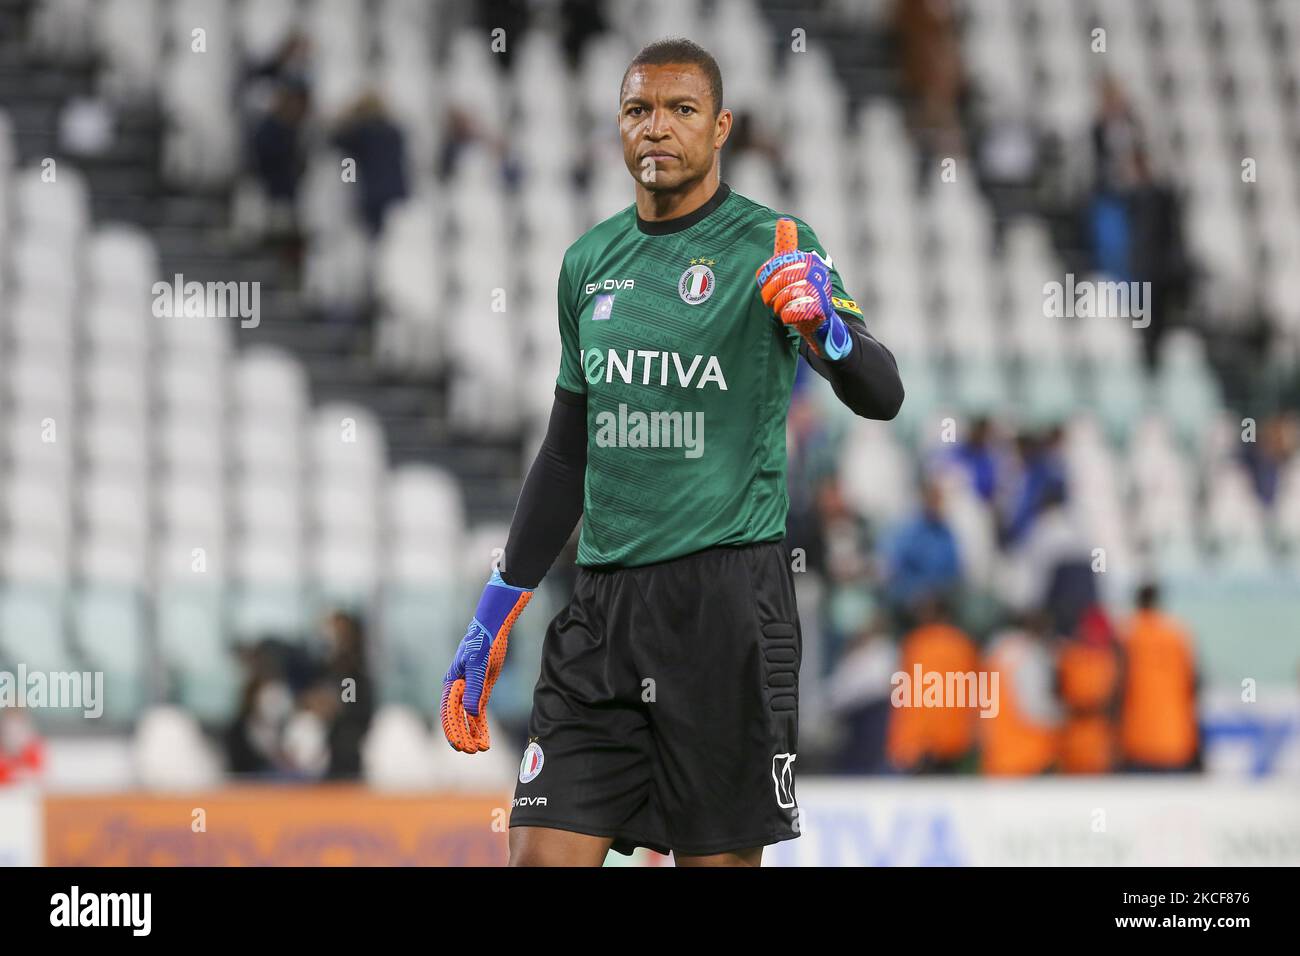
x=1126 y=821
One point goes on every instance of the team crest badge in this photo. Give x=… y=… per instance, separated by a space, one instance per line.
x=531 y=765
x=696 y=283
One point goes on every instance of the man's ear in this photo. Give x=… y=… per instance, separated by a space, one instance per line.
x=723 y=128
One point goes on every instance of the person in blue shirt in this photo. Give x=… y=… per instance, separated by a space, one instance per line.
x=921 y=558
x=1042 y=474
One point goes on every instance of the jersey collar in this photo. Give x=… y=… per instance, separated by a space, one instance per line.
x=664 y=227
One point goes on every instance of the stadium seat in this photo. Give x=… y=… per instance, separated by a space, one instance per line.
x=108 y=626
x=32 y=628
x=191 y=637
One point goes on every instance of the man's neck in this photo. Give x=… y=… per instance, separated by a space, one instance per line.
x=656 y=206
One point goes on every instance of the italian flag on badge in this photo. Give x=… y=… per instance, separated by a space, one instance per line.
x=696 y=284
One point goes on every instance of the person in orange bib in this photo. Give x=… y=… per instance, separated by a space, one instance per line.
x=937 y=735
x=1023 y=738
x=1088 y=673
x=1158 y=728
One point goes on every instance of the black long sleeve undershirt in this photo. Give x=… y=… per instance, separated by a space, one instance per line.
x=550 y=503
x=866 y=380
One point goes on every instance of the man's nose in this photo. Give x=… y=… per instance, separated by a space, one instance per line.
x=657 y=127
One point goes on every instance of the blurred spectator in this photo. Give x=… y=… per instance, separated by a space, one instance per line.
x=22 y=751
x=859 y=692
x=1115 y=138
x=1267 y=457
x=921 y=559
x=275 y=673
x=276 y=147
x=1022 y=739
x=464 y=132
x=350 y=706
x=933 y=74
x=1157 y=253
x=933 y=739
x=252 y=741
x=1116 y=135
x=368 y=135
x=301 y=716
x=810 y=461
x=981 y=458
x=1041 y=470
x=842 y=544
x=1088 y=670
x=1055 y=564
x=290 y=64
x=1158 y=729
x=845 y=533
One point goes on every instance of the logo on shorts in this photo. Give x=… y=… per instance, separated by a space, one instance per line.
x=696 y=283
x=783 y=778
x=531 y=765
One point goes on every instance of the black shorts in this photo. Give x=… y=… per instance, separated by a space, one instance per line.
x=666 y=714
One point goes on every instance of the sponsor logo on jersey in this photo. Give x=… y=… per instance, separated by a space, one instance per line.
x=610 y=285
x=783 y=778
x=697 y=282
x=528 y=802
x=531 y=765
x=646 y=366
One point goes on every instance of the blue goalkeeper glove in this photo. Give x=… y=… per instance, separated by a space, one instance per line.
x=797 y=287
x=477 y=665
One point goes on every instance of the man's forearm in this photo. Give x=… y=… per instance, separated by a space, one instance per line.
x=550 y=502
x=866 y=380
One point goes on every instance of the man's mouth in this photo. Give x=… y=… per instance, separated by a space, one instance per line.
x=658 y=157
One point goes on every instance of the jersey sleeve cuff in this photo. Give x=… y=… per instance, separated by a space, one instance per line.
x=567 y=397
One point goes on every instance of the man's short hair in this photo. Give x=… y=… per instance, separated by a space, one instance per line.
x=680 y=50
x=1148 y=595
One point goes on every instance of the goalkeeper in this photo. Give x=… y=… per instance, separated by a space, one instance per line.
x=666 y=712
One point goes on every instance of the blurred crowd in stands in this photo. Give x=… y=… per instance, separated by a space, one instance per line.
x=276 y=102
x=304 y=709
x=282 y=130
x=1081 y=689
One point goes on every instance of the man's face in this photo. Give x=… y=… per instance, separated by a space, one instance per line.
x=670 y=133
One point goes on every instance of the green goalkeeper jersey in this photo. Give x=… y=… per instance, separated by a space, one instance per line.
x=687 y=377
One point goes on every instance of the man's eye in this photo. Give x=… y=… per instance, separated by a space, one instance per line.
x=687 y=109
x=634 y=111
